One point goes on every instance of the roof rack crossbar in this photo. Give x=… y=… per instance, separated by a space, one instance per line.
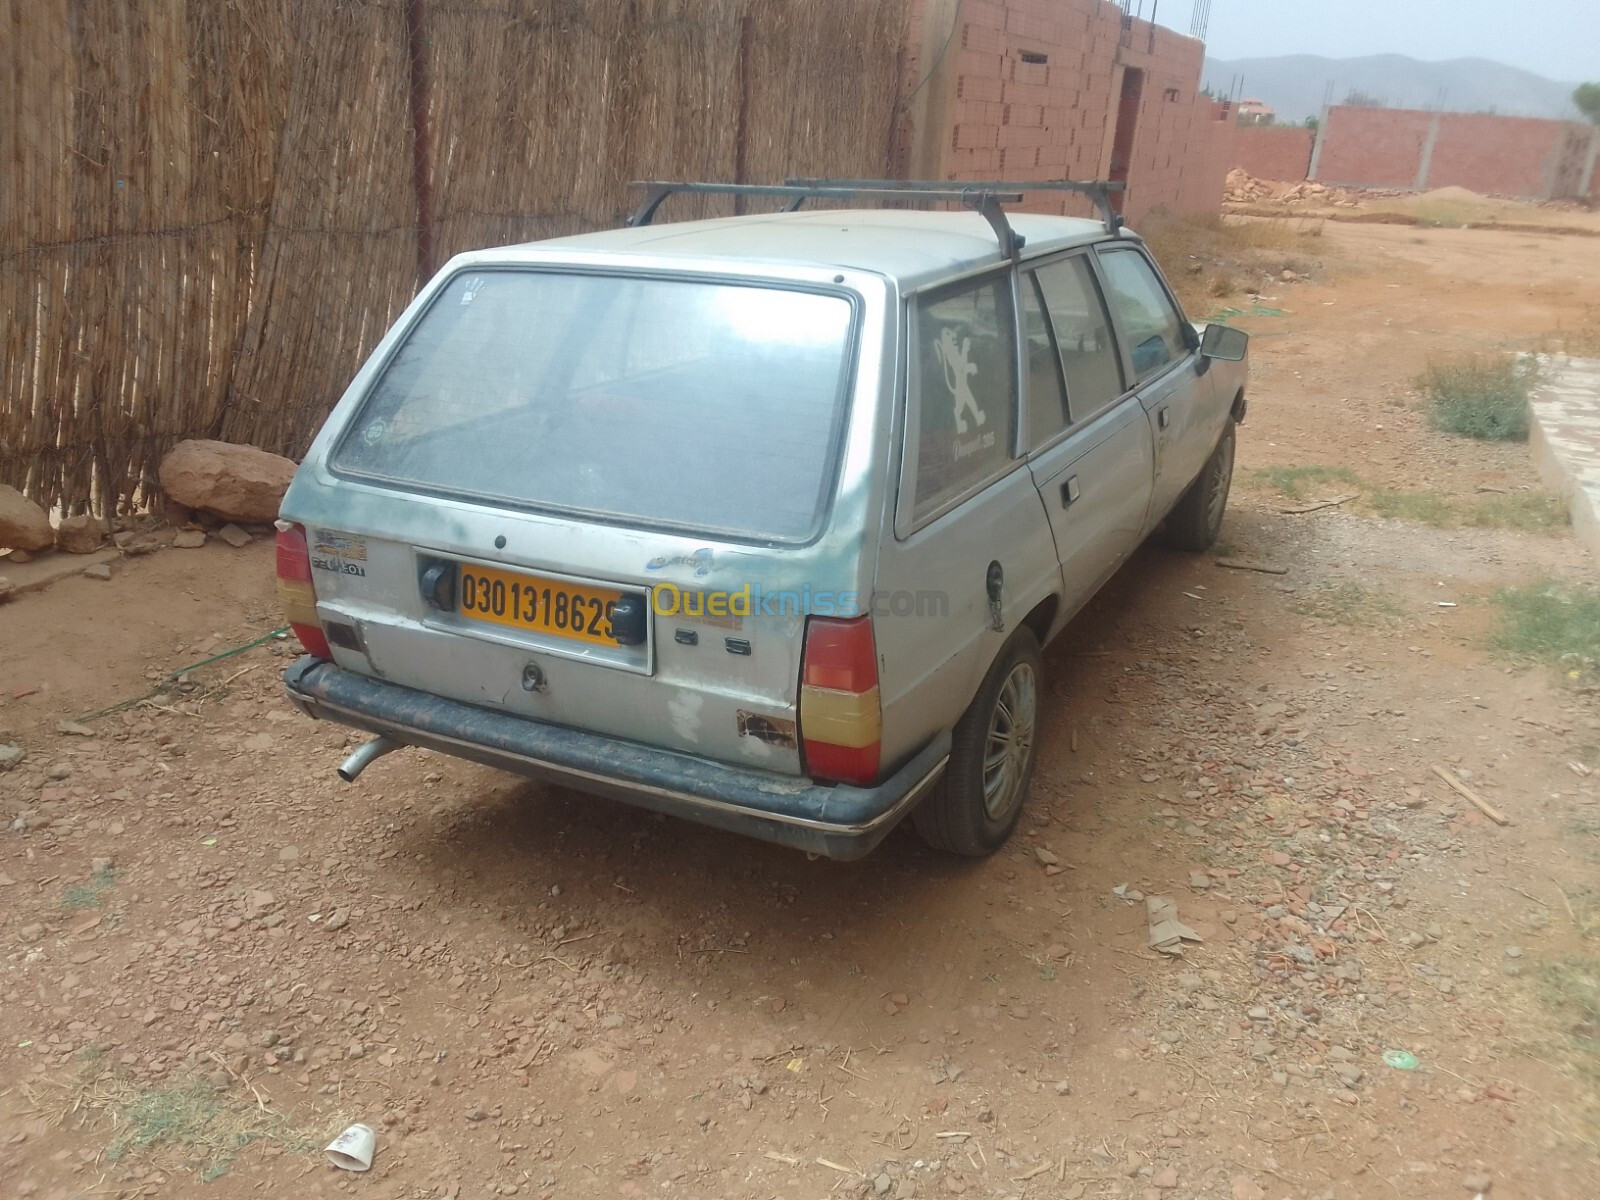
x=1098 y=190
x=982 y=198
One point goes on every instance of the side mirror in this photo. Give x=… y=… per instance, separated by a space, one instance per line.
x=1224 y=342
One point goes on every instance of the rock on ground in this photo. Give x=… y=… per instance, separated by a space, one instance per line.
x=23 y=524
x=237 y=483
x=79 y=535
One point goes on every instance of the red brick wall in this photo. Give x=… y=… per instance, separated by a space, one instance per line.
x=1273 y=153
x=1011 y=117
x=1372 y=147
x=1016 y=119
x=1516 y=156
x=1510 y=155
x=1211 y=180
x=1180 y=139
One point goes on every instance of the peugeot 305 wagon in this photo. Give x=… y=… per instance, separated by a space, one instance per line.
x=760 y=521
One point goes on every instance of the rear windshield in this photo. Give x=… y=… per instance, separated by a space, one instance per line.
x=703 y=406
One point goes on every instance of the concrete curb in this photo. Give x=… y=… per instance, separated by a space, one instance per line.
x=1564 y=438
x=51 y=568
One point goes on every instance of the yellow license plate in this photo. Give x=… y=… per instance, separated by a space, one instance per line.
x=565 y=610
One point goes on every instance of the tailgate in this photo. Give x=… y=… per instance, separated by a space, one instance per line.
x=586 y=627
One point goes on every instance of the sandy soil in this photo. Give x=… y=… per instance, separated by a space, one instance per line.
x=530 y=992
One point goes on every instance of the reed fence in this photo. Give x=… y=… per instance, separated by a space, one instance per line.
x=210 y=210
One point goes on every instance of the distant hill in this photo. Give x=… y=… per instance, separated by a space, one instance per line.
x=1295 y=84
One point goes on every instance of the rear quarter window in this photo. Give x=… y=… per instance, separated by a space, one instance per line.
x=964 y=384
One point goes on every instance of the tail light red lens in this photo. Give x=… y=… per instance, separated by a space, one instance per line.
x=297 y=594
x=841 y=716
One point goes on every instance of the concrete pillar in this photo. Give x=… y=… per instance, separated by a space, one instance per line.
x=1426 y=163
x=1586 y=182
x=1550 y=169
x=1316 y=145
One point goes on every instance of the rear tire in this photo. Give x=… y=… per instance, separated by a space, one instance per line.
x=992 y=753
x=1196 y=520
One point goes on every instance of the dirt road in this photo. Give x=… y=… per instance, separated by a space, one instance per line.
x=529 y=992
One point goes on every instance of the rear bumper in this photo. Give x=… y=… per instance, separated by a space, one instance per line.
x=840 y=822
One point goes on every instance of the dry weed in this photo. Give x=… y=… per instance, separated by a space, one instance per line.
x=189 y=1123
x=1208 y=257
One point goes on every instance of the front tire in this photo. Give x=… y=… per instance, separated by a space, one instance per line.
x=1196 y=521
x=992 y=754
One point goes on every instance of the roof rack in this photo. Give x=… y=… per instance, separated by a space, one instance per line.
x=1098 y=190
x=984 y=198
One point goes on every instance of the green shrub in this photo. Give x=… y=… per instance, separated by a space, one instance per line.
x=1480 y=397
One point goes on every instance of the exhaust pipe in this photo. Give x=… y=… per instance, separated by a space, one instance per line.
x=366 y=756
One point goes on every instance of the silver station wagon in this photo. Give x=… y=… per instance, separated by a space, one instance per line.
x=759 y=521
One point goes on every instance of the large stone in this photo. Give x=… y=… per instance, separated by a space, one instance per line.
x=79 y=535
x=237 y=483
x=23 y=524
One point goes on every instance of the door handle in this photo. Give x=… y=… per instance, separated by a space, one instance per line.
x=1069 y=491
x=1163 y=417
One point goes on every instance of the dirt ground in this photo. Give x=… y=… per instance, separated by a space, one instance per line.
x=529 y=992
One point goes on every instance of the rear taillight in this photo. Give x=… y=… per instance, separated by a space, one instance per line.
x=841 y=719
x=297 y=595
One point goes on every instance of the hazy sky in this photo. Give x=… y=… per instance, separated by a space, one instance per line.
x=1556 y=38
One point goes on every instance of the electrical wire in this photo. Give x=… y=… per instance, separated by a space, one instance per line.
x=181 y=671
x=955 y=24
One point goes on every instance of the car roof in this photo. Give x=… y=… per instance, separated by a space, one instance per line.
x=909 y=247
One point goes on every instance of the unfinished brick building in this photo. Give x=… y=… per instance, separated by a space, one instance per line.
x=1052 y=89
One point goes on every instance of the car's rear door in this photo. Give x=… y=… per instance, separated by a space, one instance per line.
x=971 y=553
x=1090 y=449
x=1160 y=353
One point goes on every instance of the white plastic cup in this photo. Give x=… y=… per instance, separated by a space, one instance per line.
x=352 y=1150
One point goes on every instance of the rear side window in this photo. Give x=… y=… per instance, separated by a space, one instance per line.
x=964 y=385
x=679 y=403
x=1083 y=335
x=1152 y=323
x=1047 y=396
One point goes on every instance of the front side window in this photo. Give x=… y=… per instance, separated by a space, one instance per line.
x=1083 y=334
x=964 y=386
x=687 y=404
x=1153 y=325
